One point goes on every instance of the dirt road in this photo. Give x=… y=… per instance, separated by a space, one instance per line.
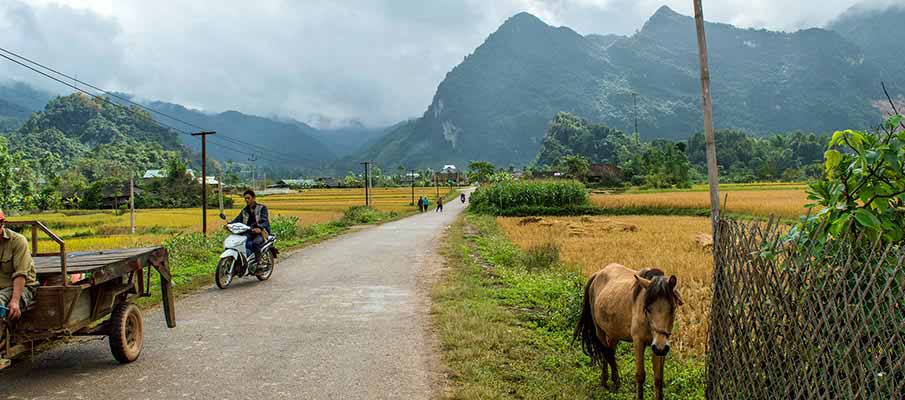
x=345 y=319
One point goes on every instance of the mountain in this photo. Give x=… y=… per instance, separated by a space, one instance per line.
x=276 y=143
x=98 y=138
x=17 y=101
x=497 y=103
x=880 y=32
x=349 y=139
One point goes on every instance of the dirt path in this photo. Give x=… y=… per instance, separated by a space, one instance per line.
x=345 y=319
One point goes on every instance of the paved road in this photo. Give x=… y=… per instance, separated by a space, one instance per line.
x=344 y=319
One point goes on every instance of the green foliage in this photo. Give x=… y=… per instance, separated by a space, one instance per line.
x=864 y=187
x=285 y=228
x=542 y=256
x=360 y=215
x=748 y=158
x=480 y=171
x=498 y=197
x=576 y=167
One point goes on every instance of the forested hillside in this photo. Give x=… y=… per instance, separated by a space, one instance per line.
x=497 y=103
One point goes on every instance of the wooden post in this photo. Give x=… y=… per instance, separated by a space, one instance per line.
x=707 y=105
x=132 y=203
x=203 y=179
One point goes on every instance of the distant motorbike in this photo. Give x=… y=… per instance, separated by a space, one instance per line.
x=462 y=197
x=236 y=261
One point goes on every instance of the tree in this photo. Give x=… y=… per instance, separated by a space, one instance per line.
x=576 y=167
x=480 y=171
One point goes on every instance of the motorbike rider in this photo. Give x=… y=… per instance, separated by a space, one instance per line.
x=18 y=279
x=256 y=216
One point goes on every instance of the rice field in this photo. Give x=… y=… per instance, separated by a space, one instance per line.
x=85 y=230
x=787 y=202
x=665 y=242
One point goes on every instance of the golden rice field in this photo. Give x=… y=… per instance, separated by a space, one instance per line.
x=85 y=230
x=665 y=242
x=785 y=203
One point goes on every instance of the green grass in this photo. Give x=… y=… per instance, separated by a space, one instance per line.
x=506 y=330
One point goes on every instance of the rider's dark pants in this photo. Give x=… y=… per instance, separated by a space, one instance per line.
x=254 y=244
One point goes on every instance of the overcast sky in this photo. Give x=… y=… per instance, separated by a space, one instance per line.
x=377 y=61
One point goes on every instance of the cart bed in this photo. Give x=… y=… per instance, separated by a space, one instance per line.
x=103 y=265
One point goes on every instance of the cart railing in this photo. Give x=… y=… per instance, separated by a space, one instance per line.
x=35 y=227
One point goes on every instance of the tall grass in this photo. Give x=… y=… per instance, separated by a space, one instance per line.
x=498 y=198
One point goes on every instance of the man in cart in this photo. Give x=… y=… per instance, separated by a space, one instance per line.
x=18 y=278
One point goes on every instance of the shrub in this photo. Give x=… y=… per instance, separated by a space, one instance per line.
x=541 y=257
x=360 y=215
x=285 y=227
x=499 y=197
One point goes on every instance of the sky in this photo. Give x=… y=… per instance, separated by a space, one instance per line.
x=320 y=61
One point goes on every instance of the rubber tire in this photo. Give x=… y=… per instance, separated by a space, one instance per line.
x=266 y=276
x=126 y=332
x=223 y=263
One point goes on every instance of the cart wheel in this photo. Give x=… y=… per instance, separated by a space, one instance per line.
x=267 y=263
x=126 y=332
x=222 y=275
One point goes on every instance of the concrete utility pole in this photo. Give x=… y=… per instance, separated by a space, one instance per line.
x=707 y=105
x=203 y=179
x=413 y=188
x=253 y=159
x=132 y=202
x=367 y=181
x=635 y=104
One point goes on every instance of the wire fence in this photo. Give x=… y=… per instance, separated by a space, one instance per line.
x=805 y=320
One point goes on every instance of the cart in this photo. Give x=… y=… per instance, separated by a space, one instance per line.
x=79 y=291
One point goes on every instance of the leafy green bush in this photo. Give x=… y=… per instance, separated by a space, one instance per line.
x=285 y=228
x=864 y=186
x=499 y=197
x=360 y=215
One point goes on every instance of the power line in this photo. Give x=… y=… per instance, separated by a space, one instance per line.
x=114 y=95
x=106 y=100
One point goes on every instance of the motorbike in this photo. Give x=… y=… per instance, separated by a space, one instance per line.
x=462 y=197
x=237 y=262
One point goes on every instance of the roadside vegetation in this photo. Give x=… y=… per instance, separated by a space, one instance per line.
x=505 y=318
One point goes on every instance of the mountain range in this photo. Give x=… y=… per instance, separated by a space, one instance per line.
x=498 y=102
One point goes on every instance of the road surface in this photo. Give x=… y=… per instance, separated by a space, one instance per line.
x=345 y=319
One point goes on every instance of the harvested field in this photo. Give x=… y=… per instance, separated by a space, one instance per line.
x=85 y=230
x=763 y=203
x=665 y=242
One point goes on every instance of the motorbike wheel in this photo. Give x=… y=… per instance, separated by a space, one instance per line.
x=267 y=264
x=222 y=275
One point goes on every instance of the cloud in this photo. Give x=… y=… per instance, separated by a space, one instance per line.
x=377 y=61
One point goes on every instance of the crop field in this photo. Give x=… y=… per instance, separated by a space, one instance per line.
x=84 y=230
x=786 y=201
x=665 y=242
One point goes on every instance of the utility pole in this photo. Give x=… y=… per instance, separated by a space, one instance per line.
x=437 y=185
x=707 y=105
x=132 y=202
x=635 y=103
x=367 y=179
x=203 y=135
x=413 y=188
x=253 y=159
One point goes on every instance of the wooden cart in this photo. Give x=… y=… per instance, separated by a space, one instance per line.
x=80 y=290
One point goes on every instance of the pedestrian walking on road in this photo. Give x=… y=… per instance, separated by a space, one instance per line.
x=426 y=204
x=421 y=204
x=439 y=204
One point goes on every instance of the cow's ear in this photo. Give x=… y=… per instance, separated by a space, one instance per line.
x=645 y=283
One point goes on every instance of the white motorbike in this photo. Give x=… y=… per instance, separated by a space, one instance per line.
x=236 y=261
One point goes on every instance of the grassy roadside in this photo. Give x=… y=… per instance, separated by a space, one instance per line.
x=505 y=320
